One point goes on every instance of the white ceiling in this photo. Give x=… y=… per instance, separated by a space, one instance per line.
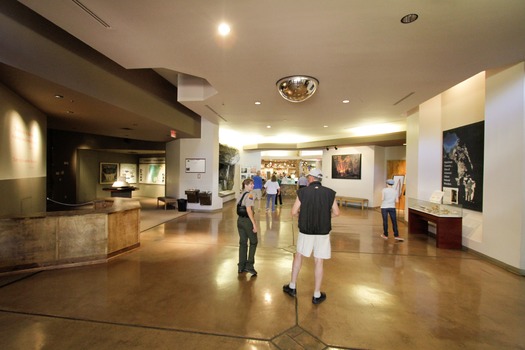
x=357 y=49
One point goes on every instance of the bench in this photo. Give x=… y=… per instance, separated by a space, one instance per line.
x=167 y=201
x=343 y=200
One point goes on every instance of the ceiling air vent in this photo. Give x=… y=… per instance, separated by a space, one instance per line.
x=92 y=14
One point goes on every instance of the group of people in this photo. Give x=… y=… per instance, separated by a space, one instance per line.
x=272 y=189
x=315 y=206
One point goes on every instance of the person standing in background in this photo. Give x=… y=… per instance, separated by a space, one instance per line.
x=279 y=196
x=315 y=205
x=247 y=228
x=272 y=188
x=389 y=198
x=303 y=181
x=257 y=188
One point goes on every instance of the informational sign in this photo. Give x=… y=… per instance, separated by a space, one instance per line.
x=152 y=171
x=463 y=149
x=129 y=171
x=195 y=165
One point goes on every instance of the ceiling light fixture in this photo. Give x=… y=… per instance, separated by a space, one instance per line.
x=224 y=29
x=409 y=18
x=297 y=88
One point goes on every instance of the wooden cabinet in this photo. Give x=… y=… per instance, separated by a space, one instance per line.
x=448 y=229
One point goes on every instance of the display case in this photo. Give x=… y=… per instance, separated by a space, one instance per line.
x=447 y=218
x=437 y=209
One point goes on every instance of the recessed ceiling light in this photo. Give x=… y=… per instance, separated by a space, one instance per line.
x=325 y=126
x=59 y=96
x=409 y=18
x=346 y=101
x=257 y=102
x=268 y=126
x=224 y=29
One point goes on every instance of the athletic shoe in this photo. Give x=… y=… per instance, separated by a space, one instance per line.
x=290 y=291
x=320 y=299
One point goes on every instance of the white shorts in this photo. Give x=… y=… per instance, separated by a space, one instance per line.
x=257 y=193
x=319 y=244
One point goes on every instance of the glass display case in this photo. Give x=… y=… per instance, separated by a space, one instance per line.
x=436 y=209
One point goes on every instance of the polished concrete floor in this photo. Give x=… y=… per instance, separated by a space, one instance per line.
x=181 y=290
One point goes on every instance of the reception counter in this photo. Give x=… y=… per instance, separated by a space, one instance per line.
x=289 y=190
x=70 y=238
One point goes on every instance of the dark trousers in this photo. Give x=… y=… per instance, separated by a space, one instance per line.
x=385 y=212
x=246 y=256
x=280 y=199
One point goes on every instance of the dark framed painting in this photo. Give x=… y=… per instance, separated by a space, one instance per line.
x=346 y=166
x=108 y=173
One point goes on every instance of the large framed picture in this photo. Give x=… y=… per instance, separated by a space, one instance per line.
x=347 y=166
x=108 y=173
x=462 y=170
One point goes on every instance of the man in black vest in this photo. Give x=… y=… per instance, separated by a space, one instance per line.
x=315 y=205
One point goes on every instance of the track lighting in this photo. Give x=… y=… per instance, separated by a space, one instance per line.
x=335 y=148
x=327 y=148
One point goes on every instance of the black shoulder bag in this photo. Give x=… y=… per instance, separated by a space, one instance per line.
x=241 y=209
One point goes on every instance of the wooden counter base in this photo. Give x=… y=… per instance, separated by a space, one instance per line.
x=448 y=229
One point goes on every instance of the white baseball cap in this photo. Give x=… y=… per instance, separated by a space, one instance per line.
x=315 y=173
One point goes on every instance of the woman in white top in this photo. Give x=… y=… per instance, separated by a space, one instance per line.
x=272 y=188
x=389 y=199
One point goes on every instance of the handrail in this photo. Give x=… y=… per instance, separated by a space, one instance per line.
x=69 y=205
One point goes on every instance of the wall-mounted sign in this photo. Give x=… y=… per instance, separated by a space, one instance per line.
x=195 y=165
x=152 y=170
x=129 y=171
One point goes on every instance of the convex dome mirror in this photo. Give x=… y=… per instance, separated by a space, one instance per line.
x=297 y=88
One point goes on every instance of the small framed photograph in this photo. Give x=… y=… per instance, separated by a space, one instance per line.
x=108 y=173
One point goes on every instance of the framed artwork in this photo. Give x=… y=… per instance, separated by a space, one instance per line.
x=129 y=171
x=108 y=173
x=347 y=166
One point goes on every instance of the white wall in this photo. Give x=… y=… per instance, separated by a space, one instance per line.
x=430 y=155
x=23 y=140
x=504 y=189
x=178 y=181
x=363 y=188
x=499 y=99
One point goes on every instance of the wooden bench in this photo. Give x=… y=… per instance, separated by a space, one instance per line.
x=167 y=201
x=343 y=200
